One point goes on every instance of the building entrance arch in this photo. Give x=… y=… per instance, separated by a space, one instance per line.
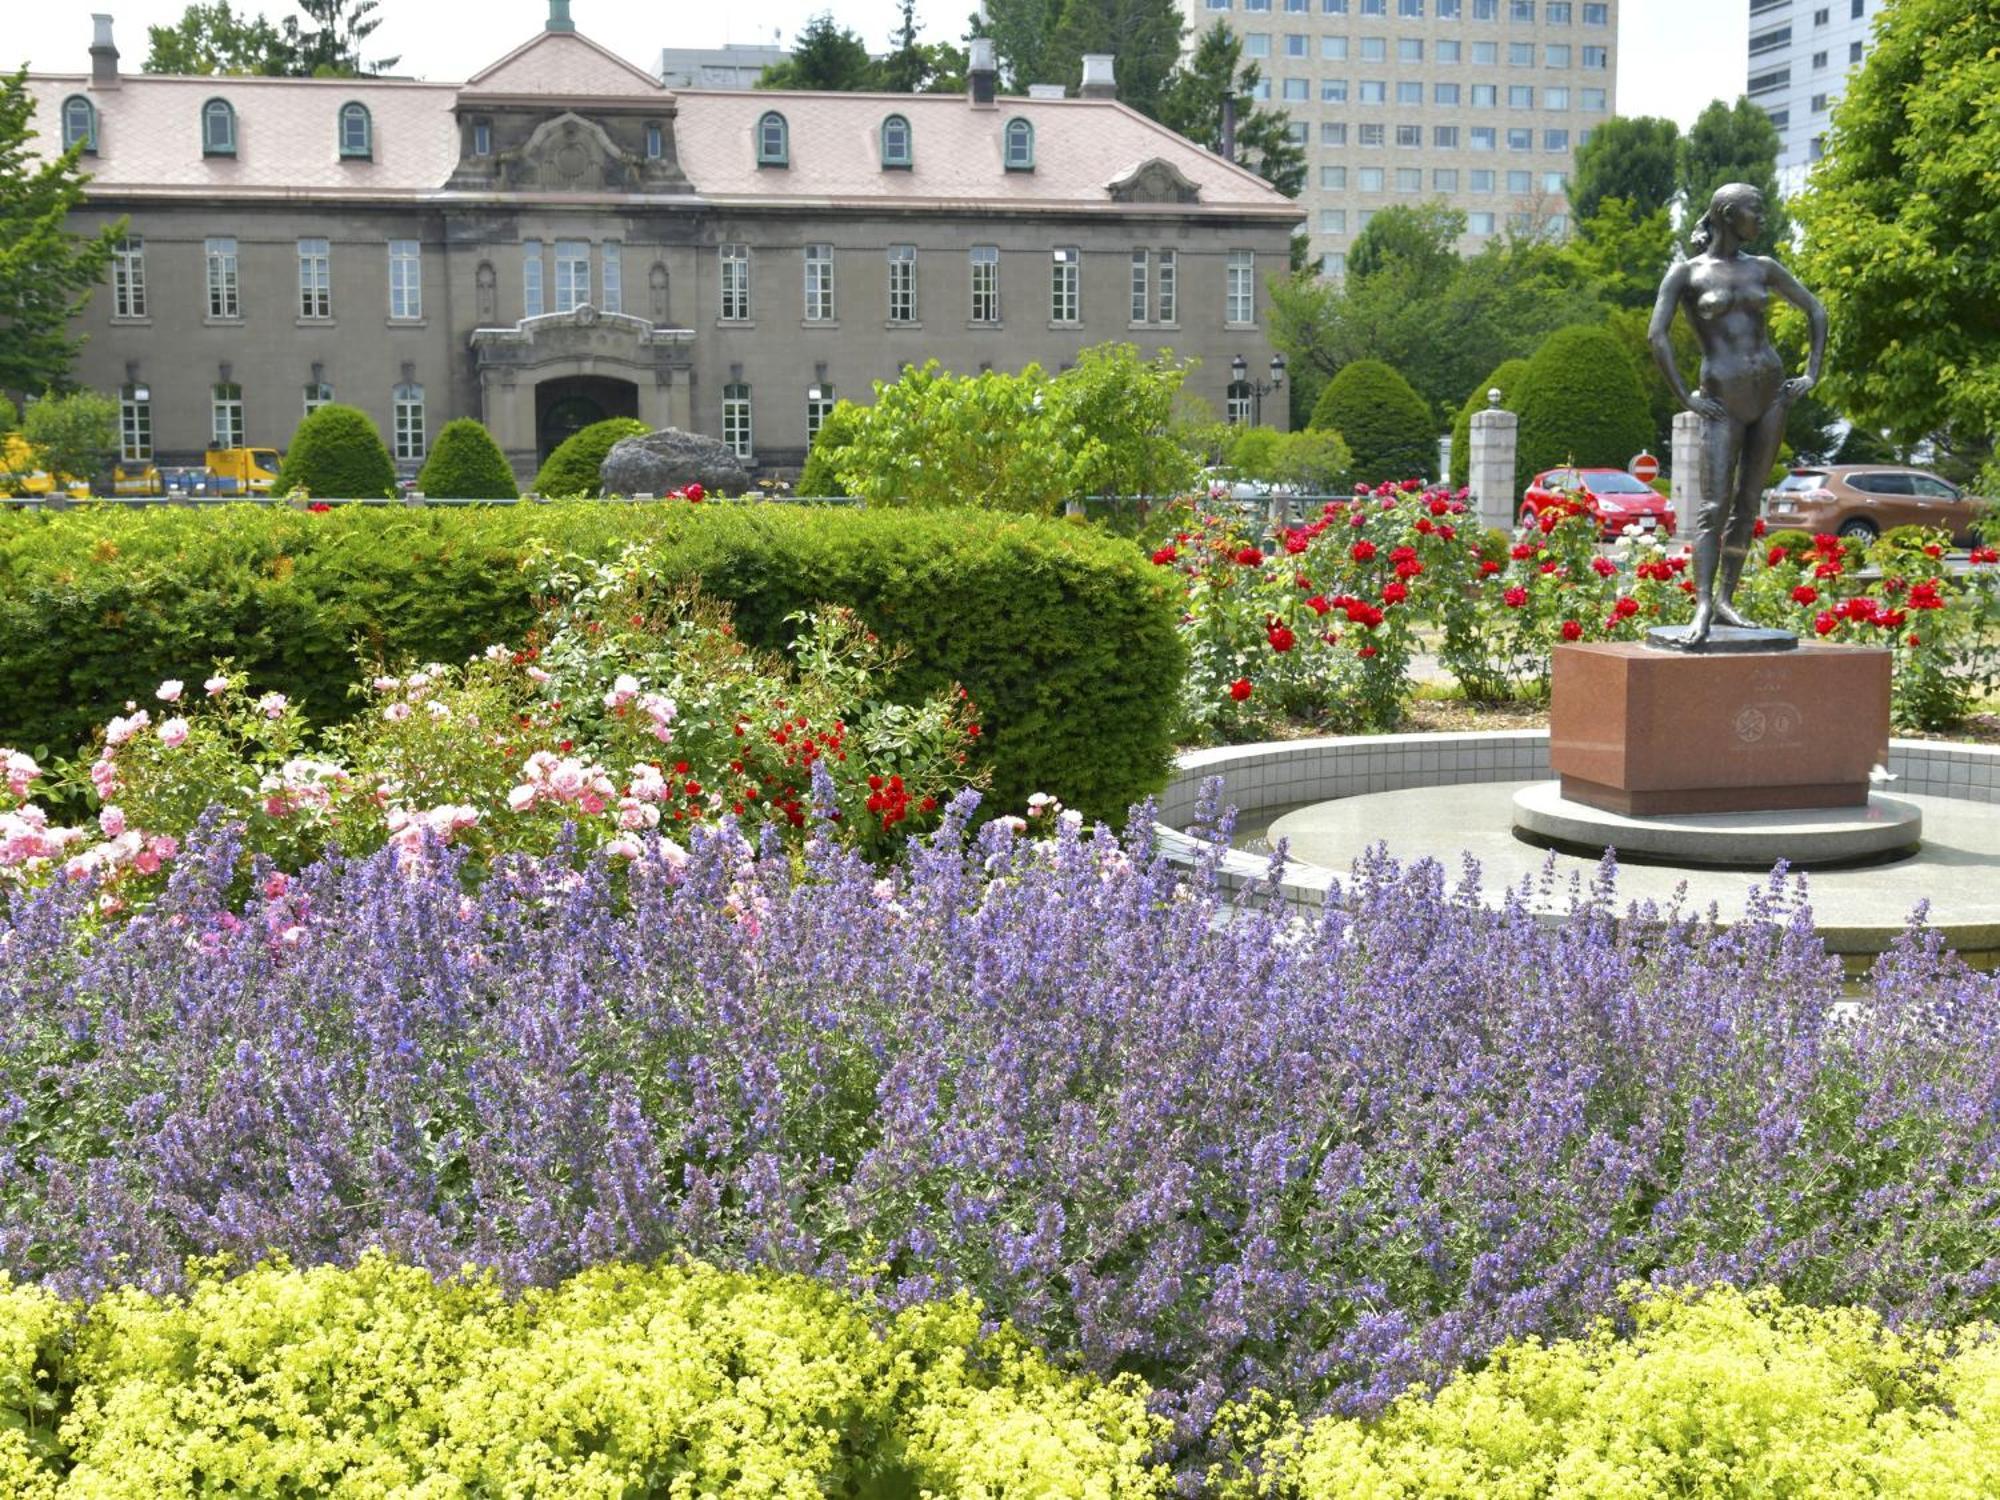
x=567 y=404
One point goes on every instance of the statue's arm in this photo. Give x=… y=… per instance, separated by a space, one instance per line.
x=1659 y=336
x=1793 y=291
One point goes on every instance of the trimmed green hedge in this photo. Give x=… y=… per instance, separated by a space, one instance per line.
x=1580 y=404
x=466 y=464
x=337 y=453
x=1066 y=638
x=1389 y=428
x=378 y=1382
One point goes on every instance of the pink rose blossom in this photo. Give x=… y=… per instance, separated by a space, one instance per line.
x=216 y=686
x=521 y=798
x=123 y=727
x=170 y=690
x=395 y=713
x=174 y=733
x=272 y=705
x=111 y=818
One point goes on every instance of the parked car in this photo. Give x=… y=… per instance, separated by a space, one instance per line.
x=1613 y=496
x=1867 y=499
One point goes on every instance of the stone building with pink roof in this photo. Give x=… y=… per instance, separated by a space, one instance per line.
x=560 y=239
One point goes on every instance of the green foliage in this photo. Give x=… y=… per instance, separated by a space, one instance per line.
x=1736 y=143
x=821 y=476
x=573 y=468
x=1622 y=252
x=46 y=272
x=1629 y=326
x=214 y=39
x=1023 y=442
x=1633 y=157
x=1065 y=638
x=1043 y=41
x=1861 y=446
x=1582 y=404
x=337 y=454
x=1420 y=241
x=826 y=56
x=1191 y=104
x=1713 y=1393
x=466 y=464
x=1903 y=226
x=1314 y=462
x=914 y=67
x=1387 y=426
x=675 y=1380
x=75 y=435
x=1508 y=377
x=1253 y=452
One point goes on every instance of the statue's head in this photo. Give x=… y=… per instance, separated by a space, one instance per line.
x=1740 y=206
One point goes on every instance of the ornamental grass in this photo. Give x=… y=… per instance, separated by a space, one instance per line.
x=1033 y=1062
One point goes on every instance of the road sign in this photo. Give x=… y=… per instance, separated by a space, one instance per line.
x=1645 y=468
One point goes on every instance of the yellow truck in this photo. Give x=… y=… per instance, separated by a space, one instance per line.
x=139 y=478
x=22 y=476
x=241 y=471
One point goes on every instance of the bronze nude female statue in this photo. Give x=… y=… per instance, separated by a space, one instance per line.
x=1744 y=397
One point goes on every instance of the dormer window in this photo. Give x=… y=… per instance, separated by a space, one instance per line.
x=896 y=147
x=357 y=132
x=79 y=124
x=773 y=140
x=1020 y=147
x=656 y=140
x=218 y=128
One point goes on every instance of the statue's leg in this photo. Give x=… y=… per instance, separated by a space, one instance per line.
x=1720 y=442
x=1761 y=440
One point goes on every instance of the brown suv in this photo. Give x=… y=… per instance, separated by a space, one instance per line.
x=1867 y=499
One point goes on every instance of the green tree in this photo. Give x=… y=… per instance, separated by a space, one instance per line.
x=336 y=452
x=1317 y=463
x=72 y=436
x=1144 y=35
x=466 y=464
x=330 y=46
x=213 y=38
x=1421 y=242
x=821 y=475
x=1191 y=103
x=1634 y=157
x=1023 y=36
x=46 y=270
x=1735 y=143
x=1581 y=403
x=1507 y=378
x=826 y=57
x=1388 y=428
x=914 y=67
x=1902 y=226
x=1621 y=253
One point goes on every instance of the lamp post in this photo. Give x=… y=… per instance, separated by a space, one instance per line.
x=1239 y=372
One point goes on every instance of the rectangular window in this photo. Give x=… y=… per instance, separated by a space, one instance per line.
x=1142 y=285
x=1485 y=96
x=223 y=291
x=1257 y=44
x=1450 y=51
x=532 y=305
x=1855 y=10
x=1597 y=15
x=1854 y=52
x=1333 y=91
x=1522 y=10
x=315 y=279
x=1520 y=96
x=819 y=284
x=1218 y=4
x=1555 y=140
x=1409 y=179
x=1295 y=44
x=1444 y=180
x=318 y=394
x=572 y=274
x=1409 y=136
x=1520 y=54
x=409 y=423
x=1820 y=16
x=1332 y=134
x=1449 y=10
x=1298 y=90
x=985 y=260
x=1409 y=49
x=1481 y=179
x=1591 y=100
x=1596 y=57
x=1485 y=10
x=135 y=427
x=1445 y=137
x=735 y=283
x=1298 y=7
x=1333 y=49
x=1333 y=264
x=1816 y=148
x=902 y=283
x=1240 y=288
x=1333 y=7
x=1262 y=91
x=128 y=278
x=1780 y=118
x=1760 y=83
x=1170 y=307
x=1819 y=104
x=1369 y=180
x=1556 y=12
x=819 y=406
x=1771 y=41
x=1486 y=54
x=736 y=418
x=1333 y=221
x=1520 y=138
x=406 y=285
x=1410 y=9
x=1374 y=49
x=1333 y=179
x=1479 y=223
x=1520 y=182
x=482 y=138
x=1410 y=92
x=1256 y=4
x=225 y=412
x=1374 y=7
x=1296 y=133
x=610 y=255
x=1372 y=135
x=1444 y=93
x=1066 y=285
x=1484 y=138
x=656 y=142
x=1555 y=182
x=1557 y=98
x=1556 y=55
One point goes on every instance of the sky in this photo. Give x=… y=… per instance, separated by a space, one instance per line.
x=1673 y=55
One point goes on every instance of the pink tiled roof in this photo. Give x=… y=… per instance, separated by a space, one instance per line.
x=565 y=63
x=1081 y=146
x=149 y=135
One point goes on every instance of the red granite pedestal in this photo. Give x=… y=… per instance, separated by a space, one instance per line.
x=1640 y=731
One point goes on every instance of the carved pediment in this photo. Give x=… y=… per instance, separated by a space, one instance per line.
x=1155 y=181
x=569 y=154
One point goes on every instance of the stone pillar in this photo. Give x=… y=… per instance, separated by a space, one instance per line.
x=1494 y=434
x=1685 y=489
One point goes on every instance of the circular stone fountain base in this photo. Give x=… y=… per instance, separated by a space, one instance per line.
x=1886 y=828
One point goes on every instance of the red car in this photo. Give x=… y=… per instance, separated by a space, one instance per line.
x=1614 y=497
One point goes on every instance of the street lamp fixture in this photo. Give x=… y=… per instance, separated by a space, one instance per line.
x=1239 y=372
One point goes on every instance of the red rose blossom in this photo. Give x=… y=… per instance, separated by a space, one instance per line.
x=1805 y=593
x=1572 y=630
x=1240 y=689
x=1515 y=597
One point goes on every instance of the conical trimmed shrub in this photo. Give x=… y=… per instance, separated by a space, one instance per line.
x=1508 y=377
x=337 y=454
x=1581 y=403
x=466 y=464
x=572 y=468
x=1387 y=425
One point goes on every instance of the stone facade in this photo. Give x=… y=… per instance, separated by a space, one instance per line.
x=561 y=238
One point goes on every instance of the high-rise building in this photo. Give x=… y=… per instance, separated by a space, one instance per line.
x=737 y=66
x=1479 y=104
x=1800 y=54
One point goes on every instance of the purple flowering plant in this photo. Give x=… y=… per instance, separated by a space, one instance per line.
x=1229 y=1153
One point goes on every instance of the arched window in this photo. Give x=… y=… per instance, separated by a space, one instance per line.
x=357 y=131
x=1020 y=155
x=218 y=128
x=773 y=140
x=79 y=123
x=896 y=151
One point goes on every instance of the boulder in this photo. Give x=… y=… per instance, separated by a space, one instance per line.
x=656 y=463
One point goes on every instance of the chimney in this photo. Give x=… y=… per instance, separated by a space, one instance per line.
x=559 y=17
x=1098 y=82
x=1229 y=127
x=103 y=54
x=981 y=73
